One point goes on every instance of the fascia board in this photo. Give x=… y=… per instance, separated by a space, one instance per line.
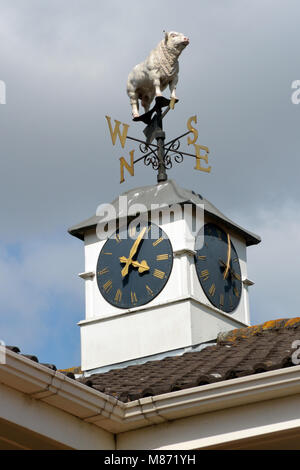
x=112 y=415
x=58 y=390
x=219 y=395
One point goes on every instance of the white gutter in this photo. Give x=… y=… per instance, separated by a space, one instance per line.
x=89 y=405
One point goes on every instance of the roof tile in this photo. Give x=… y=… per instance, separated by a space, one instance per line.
x=238 y=353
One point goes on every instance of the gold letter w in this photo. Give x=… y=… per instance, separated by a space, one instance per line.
x=116 y=131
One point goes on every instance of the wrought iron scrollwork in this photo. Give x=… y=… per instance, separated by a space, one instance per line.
x=178 y=158
x=151 y=157
x=172 y=152
x=161 y=156
x=171 y=155
x=144 y=148
x=151 y=160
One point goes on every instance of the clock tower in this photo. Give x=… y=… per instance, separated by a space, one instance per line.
x=165 y=273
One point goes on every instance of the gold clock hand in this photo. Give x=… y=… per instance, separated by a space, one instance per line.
x=228 y=256
x=143 y=266
x=132 y=252
x=237 y=276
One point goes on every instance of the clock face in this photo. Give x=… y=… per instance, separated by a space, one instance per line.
x=218 y=268
x=134 y=265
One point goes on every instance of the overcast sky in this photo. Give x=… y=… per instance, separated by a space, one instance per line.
x=65 y=65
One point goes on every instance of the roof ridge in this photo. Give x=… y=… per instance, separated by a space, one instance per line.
x=240 y=333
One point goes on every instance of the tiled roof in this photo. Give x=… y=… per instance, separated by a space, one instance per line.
x=67 y=372
x=238 y=353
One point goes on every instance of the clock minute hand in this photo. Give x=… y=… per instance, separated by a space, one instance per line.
x=228 y=256
x=132 y=252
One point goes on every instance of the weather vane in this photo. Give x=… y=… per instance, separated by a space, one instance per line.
x=146 y=82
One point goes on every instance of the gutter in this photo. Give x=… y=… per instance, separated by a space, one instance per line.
x=106 y=412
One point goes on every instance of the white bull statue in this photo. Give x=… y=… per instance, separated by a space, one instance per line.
x=149 y=78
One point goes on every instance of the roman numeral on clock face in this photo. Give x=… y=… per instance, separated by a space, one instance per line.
x=103 y=271
x=149 y=290
x=133 y=297
x=118 y=296
x=159 y=240
x=212 y=290
x=107 y=286
x=204 y=274
x=159 y=274
x=132 y=231
x=236 y=292
x=162 y=257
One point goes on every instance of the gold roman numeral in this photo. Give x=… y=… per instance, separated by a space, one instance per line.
x=107 y=253
x=132 y=231
x=103 y=271
x=202 y=257
x=159 y=274
x=107 y=286
x=133 y=297
x=212 y=290
x=118 y=296
x=157 y=241
x=204 y=274
x=162 y=257
x=236 y=292
x=149 y=290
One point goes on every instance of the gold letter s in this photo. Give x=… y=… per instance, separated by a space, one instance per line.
x=193 y=130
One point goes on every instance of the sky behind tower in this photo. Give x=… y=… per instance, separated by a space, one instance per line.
x=65 y=66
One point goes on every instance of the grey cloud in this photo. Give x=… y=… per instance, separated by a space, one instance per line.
x=65 y=65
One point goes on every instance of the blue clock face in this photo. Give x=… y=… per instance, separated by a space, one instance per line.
x=218 y=268
x=134 y=265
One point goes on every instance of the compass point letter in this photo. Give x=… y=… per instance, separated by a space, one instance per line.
x=129 y=168
x=114 y=133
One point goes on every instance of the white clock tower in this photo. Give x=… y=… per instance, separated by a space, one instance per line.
x=199 y=295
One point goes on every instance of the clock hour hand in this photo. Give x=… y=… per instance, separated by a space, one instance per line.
x=132 y=252
x=232 y=272
x=142 y=266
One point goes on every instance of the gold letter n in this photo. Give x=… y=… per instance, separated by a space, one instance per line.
x=129 y=168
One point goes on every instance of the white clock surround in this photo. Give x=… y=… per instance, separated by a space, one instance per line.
x=179 y=319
